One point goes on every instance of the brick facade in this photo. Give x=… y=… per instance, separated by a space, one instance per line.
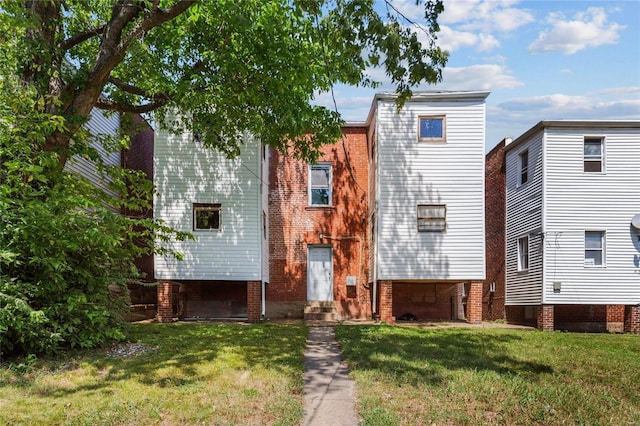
x=165 y=301
x=495 y=210
x=254 y=300
x=474 y=303
x=294 y=226
x=385 y=290
x=427 y=301
x=545 y=317
x=632 y=319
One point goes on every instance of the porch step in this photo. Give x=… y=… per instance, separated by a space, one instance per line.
x=320 y=311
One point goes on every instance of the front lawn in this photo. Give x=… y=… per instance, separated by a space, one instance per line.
x=458 y=376
x=175 y=374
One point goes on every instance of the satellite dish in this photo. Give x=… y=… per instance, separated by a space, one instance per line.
x=635 y=221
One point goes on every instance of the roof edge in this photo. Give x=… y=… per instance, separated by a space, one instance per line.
x=573 y=124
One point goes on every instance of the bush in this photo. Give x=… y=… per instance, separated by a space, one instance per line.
x=67 y=252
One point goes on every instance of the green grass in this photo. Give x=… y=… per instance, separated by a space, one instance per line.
x=220 y=374
x=471 y=376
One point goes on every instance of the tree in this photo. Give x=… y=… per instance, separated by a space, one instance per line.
x=235 y=65
x=226 y=66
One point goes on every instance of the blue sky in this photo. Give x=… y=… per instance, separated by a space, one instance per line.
x=541 y=60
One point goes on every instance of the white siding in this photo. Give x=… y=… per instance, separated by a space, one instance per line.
x=578 y=201
x=524 y=218
x=100 y=125
x=185 y=174
x=411 y=173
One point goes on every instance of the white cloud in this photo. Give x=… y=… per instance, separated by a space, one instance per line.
x=566 y=71
x=478 y=77
x=450 y=39
x=587 y=29
x=486 y=16
x=620 y=103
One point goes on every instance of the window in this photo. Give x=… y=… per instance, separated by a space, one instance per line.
x=523 y=176
x=432 y=129
x=432 y=217
x=593 y=155
x=523 y=253
x=593 y=248
x=320 y=185
x=206 y=217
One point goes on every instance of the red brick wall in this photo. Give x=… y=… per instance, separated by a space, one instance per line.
x=254 y=300
x=427 y=301
x=474 y=303
x=293 y=225
x=632 y=319
x=139 y=156
x=495 y=210
x=386 y=302
x=545 y=317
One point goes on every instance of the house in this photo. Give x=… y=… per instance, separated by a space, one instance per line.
x=389 y=220
x=223 y=203
x=318 y=232
x=426 y=206
x=103 y=126
x=572 y=250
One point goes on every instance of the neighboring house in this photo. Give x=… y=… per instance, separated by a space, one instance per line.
x=426 y=206
x=139 y=156
x=572 y=253
x=318 y=232
x=100 y=125
x=223 y=203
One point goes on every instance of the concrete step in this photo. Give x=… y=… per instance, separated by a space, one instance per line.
x=320 y=316
x=317 y=307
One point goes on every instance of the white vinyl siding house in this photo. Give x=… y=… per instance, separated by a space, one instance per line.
x=589 y=250
x=186 y=175
x=100 y=124
x=419 y=168
x=524 y=220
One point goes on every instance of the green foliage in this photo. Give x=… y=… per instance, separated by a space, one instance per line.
x=228 y=67
x=67 y=252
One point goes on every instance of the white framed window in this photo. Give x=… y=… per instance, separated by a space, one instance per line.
x=432 y=217
x=320 y=176
x=593 y=155
x=432 y=128
x=206 y=217
x=523 y=253
x=523 y=168
x=594 y=248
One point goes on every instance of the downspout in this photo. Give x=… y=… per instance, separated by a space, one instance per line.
x=261 y=226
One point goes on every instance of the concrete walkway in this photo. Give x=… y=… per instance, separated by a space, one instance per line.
x=329 y=394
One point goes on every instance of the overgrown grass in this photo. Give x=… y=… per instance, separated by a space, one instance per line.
x=414 y=376
x=220 y=374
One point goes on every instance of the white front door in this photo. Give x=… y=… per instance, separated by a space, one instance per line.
x=320 y=274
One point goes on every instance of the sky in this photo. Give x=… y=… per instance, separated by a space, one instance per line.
x=541 y=60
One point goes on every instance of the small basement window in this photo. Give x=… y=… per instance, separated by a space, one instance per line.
x=432 y=217
x=206 y=217
x=432 y=129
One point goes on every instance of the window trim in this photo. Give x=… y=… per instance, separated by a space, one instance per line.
x=310 y=186
x=592 y=158
x=602 y=249
x=433 y=219
x=520 y=266
x=442 y=138
x=522 y=169
x=196 y=207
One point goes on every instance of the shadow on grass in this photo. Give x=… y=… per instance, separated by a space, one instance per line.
x=417 y=356
x=181 y=351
